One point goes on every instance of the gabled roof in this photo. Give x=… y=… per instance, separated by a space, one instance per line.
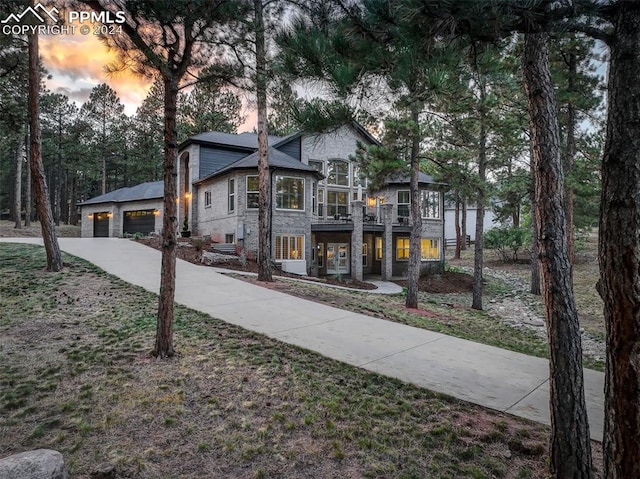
x=404 y=179
x=145 y=191
x=247 y=141
x=277 y=160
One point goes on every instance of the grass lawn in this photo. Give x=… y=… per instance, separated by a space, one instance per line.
x=76 y=377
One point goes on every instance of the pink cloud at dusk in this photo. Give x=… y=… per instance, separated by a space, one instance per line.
x=77 y=64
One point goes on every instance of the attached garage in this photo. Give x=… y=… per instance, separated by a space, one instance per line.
x=101 y=224
x=124 y=212
x=139 y=221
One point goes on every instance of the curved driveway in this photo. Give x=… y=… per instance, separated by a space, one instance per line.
x=499 y=379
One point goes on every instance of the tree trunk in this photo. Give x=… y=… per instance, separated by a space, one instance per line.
x=73 y=211
x=570 y=155
x=164 y=332
x=476 y=302
x=43 y=204
x=413 y=269
x=535 y=263
x=619 y=249
x=463 y=225
x=17 y=191
x=264 y=182
x=570 y=455
x=27 y=192
x=459 y=239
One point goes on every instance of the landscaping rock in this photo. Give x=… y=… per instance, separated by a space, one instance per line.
x=38 y=464
x=209 y=258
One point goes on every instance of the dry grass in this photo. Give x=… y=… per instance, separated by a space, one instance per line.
x=76 y=377
x=7 y=229
x=585 y=276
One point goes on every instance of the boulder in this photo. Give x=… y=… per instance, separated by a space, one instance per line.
x=38 y=464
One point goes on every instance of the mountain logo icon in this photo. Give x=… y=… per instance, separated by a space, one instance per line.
x=39 y=11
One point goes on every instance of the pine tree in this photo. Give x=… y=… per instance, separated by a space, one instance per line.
x=176 y=39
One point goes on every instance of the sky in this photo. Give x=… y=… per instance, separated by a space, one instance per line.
x=76 y=64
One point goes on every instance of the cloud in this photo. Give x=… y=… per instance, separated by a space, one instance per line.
x=77 y=63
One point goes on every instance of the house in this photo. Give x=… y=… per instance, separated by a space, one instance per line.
x=324 y=220
x=490 y=221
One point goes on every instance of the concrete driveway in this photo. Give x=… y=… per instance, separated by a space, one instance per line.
x=499 y=379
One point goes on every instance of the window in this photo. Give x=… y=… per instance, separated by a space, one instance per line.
x=430 y=204
x=229 y=238
x=402 y=248
x=358 y=178
x=320 y=255
x=289 y=193
x=404 y=199
x=252 y=192
x=320 y=202
x=365 y=249
x=207 y=199
x=317 y=165
x=289 y=247
x=314 y=197
x=337 y=203
x=338 y=172
x=430 y=249
x=378 y=248
x=232 y=194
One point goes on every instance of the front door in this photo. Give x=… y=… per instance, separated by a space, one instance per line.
x=337 y=258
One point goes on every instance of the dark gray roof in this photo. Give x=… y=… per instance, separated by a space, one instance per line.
x=144 y=191
x=277 y=159
x=243 y=140
x=402 y=178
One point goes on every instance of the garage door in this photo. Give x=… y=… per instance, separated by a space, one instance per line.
x=101 y=225
x=140 y=221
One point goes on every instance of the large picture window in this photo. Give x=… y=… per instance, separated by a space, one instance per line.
x=252 y=192
x=338 y=172
x=404 y=200
x=289 y=247
x=430 y=249
x=289 y=193
x=430 y=204
x=337 y=203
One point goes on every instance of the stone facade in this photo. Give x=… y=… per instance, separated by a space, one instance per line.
x=116 y=212
x=337 y=227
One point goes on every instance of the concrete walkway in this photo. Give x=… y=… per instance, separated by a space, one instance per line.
x=502 y=380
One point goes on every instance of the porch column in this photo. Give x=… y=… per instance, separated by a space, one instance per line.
x=387 y=242
x=356 y=240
